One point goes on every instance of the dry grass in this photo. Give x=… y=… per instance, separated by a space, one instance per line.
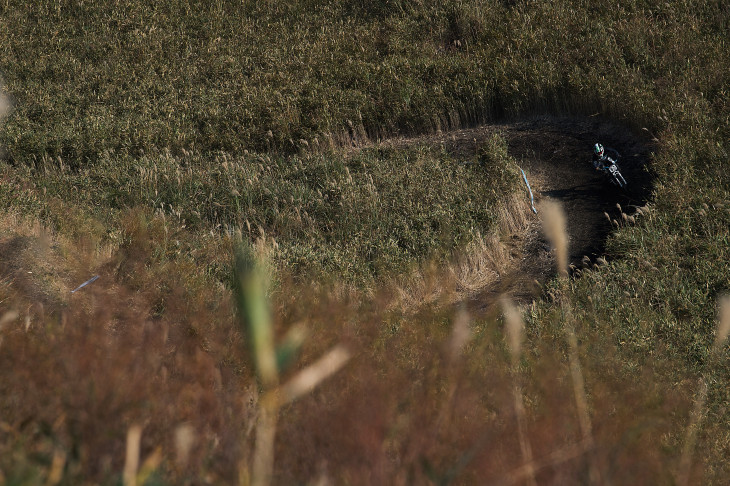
x=481 y=266
x=515 y=334
x=4 y=104
x=700 y=401
x=154 y=342
x=42 y=266
x=553 y=222
x=427 y=395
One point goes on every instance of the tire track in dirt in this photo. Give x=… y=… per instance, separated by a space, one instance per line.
x=555 y=153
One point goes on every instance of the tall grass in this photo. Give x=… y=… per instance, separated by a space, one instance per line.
x=428 y=395
x=212 y=118
x=364 y=217
x=88 y=79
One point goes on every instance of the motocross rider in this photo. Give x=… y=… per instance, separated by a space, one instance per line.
x=601 y=160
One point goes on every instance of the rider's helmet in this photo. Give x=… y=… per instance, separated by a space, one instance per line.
x=598 y=149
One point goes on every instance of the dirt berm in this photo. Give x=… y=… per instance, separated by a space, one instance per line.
x=555 y=153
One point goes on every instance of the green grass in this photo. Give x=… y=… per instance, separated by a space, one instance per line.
x=91 y=78
x=207 y=117
x=365 y=216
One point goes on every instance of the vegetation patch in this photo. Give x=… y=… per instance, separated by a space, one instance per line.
x=360 y=217
x=143 y=137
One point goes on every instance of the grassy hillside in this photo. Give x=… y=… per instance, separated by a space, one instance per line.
x=353 y=216
x=143 y=138
x=88 y=78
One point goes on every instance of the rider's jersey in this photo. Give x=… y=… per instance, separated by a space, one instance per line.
x=600 y=162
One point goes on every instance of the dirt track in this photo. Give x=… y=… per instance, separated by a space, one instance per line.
x=555 y=153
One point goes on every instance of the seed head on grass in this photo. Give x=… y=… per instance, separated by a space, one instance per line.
x=553 y=223
x=306 y=380
x=131 y=463
x=460 y=335
x=7 y=318
x=184 y=440
x=723 y=324
x=515 y=328
x=515 y=331
x=4 y=104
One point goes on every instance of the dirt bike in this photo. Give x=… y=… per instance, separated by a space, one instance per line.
x=614 y=174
